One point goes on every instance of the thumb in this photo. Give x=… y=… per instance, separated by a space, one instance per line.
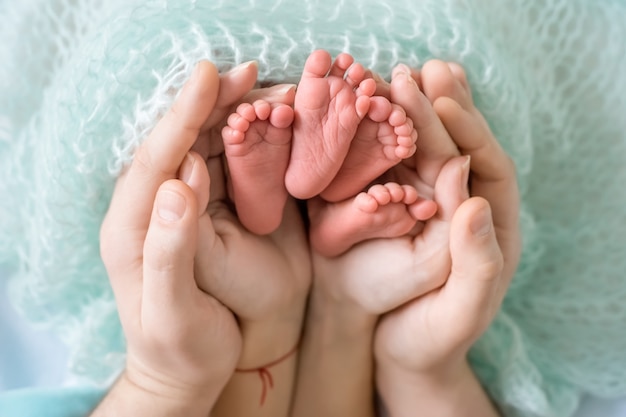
x=168 y=255
x=193 y=172
x=451 y=186
x=472 y=290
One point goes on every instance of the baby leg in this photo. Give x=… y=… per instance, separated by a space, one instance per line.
x=384 y=211
x=331 y=100
x=384 y=138
x=257 y=141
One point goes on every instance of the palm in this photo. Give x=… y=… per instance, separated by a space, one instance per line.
x=252 y=275
x=379 y=275
x=423 y=332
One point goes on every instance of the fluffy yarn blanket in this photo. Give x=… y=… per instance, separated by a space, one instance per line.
x=83 y=81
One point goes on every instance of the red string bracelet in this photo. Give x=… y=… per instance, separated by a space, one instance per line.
x=265 y=374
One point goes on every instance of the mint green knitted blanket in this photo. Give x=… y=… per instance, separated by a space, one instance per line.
x=83 y=81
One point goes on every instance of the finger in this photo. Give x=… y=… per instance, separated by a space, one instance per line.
x=193 y=172
x=234 y=84
x=474 y=290
x=441 y=79
x=473 y=137
x=276 y=94
x=160 y=156
x=451 y=187
x=459 y=73
x=168 y=254
x=493 y=174
x=434 y=145
x=416 y=74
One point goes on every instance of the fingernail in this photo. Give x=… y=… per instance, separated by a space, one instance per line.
x=286 y=88
x=171 y=206
x=465 y=172
x=186 y=169
x=481 y=224
x=244 y=66
x=400 y=68
x=404 y=70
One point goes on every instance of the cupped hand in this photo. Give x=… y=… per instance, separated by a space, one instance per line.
x=484 y=241
x=379 y=275
x=149 y=238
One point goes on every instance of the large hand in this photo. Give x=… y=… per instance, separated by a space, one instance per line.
x=421 y=347
x=264 y=280
x=379 y=275
x=445 y=322
x=175 y=332
x=493 y=174
x=351 y=290
x=261 y=279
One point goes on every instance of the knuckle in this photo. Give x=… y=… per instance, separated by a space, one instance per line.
x=142 y=160
x=493 y=267
x=163 y=255
x=181 y=120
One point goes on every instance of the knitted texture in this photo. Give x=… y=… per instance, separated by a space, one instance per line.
x=84 y=81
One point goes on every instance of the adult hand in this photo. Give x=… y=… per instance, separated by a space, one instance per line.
x=352 y=290
x=263 y=280
x=422 y=346
x=175 y=332
x=379 y=275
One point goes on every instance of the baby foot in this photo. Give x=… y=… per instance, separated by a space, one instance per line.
x=384 y=138
x=331 y=100
x=384 y=211
x=257 y=142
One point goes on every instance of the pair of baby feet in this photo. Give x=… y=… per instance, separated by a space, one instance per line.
x=336 y=139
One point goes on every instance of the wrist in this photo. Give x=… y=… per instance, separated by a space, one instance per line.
x=266 y=369
x=335 y=368
x=181 y=392
x=339 y=315
x=437 y=375
x=266 y=339
x=447 y=390
x=132 y=396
